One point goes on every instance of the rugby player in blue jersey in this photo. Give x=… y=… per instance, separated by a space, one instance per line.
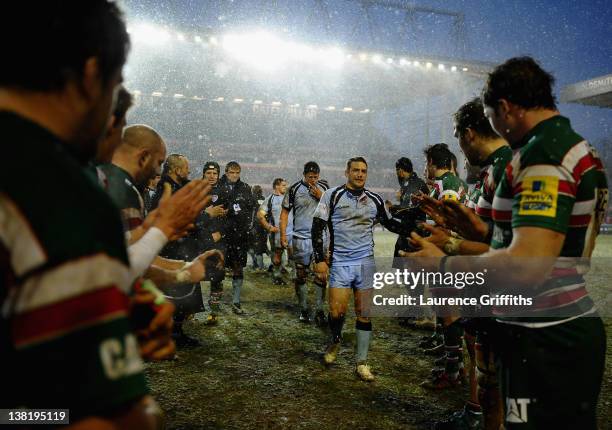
x=349 y=213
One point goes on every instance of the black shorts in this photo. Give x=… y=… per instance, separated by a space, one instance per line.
x=236 y=253
x=550 y=377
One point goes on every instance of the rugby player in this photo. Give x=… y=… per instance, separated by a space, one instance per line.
x=268 y=214
x=238 y=223
x=550 y=203
x=349 y=212
x=302 y=200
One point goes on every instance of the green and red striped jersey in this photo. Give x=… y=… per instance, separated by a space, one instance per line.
x=66 y=339
x=555 y=181
x=496 y=164
x=449 y=186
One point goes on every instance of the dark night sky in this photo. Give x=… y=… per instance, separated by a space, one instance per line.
x=571 y=39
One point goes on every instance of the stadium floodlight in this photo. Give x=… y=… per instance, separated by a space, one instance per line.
x=180 y=37
x=197 y=39
x=238 y=100
x=149 y=34
x=428 y=65
x=441 y=66
x=137 y=93
x=260 y=50
x=389 y=60
x=465 y=69
x=213 y=40
x=219 y=99
x=276 y=103
x=157 y=94
x=197 y=98
x=363 y=57
x=178 y=96
x=330 y=108
x=365 y=111
x=257 y=102
x=376 y=59
x=403 y=62
x=417 y=63
x=454 y=69
x=295 y=105
x=333 y=57
x=347 y=109
x=312 y=107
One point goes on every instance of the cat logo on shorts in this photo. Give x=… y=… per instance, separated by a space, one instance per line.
x=539 y=196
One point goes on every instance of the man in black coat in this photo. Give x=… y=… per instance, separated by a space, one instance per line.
x=238 y=223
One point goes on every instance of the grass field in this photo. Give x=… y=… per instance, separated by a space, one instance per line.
x=263 y=370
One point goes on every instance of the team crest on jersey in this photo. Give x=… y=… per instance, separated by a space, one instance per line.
x=539 y=196
x=516 y=410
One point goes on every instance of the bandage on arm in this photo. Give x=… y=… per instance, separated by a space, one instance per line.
x=143 y=252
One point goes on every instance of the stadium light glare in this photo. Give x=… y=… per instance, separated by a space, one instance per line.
x=180 y=37
x=441 y=67
x=347 y=109
x=312 y=107
x=333 y=57
x=389 y=60
x=428 y=65
x=257 y=102
x=403 y=62
x=179 y=96
x=417 y=63
x=365 y=111
x=454 y=69
x=197 y=98
x=260 y=50
x=376 y=59
x=157 y=94
x=213 y=40
x=465 y=69
x=276 y=103
x=149 y=34
x=238 y=100
x=137 y=93
x=330 y=108
x=363 y=57
x=219 y=99
x=197 y=39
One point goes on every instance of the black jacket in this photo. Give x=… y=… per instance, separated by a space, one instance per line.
x=240 y=205
x=189 y=247
x=207 y=225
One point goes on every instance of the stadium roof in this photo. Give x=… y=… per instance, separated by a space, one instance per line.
x=592 y=92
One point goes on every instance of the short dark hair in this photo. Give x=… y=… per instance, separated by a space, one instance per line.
x=355 y=160
x=311 y=167
x=48 y=46
x=471 y=115
x=520 y=81
x=277 y=181
x=232 y=165
x=124 y=102
x=405 y=164
x=440 y=156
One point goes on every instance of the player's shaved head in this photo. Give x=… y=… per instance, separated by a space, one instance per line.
x=140 y=136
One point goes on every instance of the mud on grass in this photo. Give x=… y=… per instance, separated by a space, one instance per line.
x=264 y=370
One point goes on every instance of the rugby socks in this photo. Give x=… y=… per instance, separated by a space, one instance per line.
x=453 y=339
x=363 y=332
x=335 y=326
x=237 y=285
x=216 y=293
x=276 y=272
x=319 y=295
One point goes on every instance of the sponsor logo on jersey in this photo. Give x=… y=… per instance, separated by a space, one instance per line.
x=539 y=196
